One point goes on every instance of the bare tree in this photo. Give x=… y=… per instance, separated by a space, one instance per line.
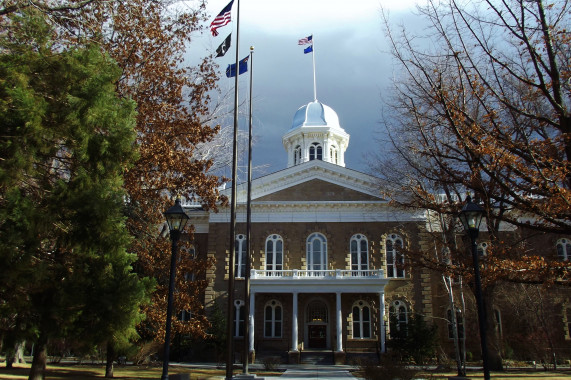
x=481 y=106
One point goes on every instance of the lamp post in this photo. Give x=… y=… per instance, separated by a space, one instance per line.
x=176 y=220
x=471 y=217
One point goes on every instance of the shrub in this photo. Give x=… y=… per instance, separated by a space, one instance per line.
x=390 y=367
x=417 y=341
x=271 y=363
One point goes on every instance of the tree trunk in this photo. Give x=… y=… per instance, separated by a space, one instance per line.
x=15 y=355
x=110 y=358
x=10 y=358
x=495 y=360
x=38 y=370
x=19 y=356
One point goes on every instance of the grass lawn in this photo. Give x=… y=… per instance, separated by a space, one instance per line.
x=131 y=372
x=512 y=374
x=128 y=372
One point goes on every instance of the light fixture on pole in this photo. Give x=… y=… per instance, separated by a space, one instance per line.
x=176 y=220
x=471 y=218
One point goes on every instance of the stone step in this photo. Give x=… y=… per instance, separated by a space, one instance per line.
x=316 y=357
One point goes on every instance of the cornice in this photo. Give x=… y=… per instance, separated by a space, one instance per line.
x=307 y=171
x=292 y=212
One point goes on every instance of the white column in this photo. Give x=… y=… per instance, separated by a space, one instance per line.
x=251 y=320
x=382 y=321
x=339 y=325
x=294 y=324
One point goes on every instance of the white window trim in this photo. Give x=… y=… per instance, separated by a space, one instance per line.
x=393 y=272
x=273 y=304
x=358 y=238
x=275 y=238
x=240 y=256
x=360 y=322
x=322 y=255
x=565 y=245
x=238 y=317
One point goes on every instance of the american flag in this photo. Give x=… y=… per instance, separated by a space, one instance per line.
x=305 y=40
x=222 y=19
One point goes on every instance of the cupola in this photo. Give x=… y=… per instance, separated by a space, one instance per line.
x=315 y=134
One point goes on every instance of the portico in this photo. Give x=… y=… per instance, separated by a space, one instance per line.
x=313 y=325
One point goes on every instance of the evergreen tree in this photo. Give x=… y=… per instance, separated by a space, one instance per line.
x=67 y=140
x=416 y=339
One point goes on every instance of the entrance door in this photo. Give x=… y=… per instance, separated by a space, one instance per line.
x=317 y=337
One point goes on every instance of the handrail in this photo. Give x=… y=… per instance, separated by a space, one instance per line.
x=299 y=273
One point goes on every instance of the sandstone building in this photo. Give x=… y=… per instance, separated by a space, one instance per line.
x=326 y=268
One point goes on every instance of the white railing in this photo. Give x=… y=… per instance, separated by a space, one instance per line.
x=298 y=273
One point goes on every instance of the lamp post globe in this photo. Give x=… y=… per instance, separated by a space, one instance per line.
x=176 y=220
x=471 y=218
x=176 y=217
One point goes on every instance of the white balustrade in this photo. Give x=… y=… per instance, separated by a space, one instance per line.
x=298 y=273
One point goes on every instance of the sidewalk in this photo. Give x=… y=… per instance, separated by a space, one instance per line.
x=292 y=371
x=317 y=372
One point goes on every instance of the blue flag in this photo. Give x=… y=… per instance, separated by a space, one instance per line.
x=242 y=68
x=308 y=49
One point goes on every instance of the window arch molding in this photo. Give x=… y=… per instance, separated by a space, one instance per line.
x=274 y=253
x=362 y=314
x=333 y=154
x=316 y=254
x=398 y=316
x=394 y=244
x=359 y=250
x=483 y=248
x=238 y=321
x=563 y=247
x=273 y=319
x=240 y=256
x=317 y=311
x=297 y=155
x=315 y=151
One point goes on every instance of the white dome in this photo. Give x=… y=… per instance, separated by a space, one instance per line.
x=315 y=114
x=315 y=134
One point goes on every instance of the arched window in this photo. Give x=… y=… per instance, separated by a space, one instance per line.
x=273 y=317
x=297 y=155
x=564 y=249
x=359 y=253
x=188 y=253
x=317 y=312
x=315 y=152
x=459 y=324
x=498 y=320
x=333 y=154
x=483 y=248
x=398 y=318
x=274 y=254
x=361 y=320
x=185 y=316
x=238 y=325
x=240 y=259
x=316 y=254
x=395 y=259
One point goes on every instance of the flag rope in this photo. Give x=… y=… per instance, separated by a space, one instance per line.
x=314 y=81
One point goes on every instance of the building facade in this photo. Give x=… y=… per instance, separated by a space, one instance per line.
x=326 y=268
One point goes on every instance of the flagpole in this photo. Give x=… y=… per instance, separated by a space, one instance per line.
x=313 y=55
x=232 y=238
x=247 y=310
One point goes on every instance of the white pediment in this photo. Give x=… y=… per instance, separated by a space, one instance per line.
x=305 y=172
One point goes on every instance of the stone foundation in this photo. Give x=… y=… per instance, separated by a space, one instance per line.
x=339 y=357
x=293 y=357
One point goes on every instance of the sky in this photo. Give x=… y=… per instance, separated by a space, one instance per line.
x=353 y=68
